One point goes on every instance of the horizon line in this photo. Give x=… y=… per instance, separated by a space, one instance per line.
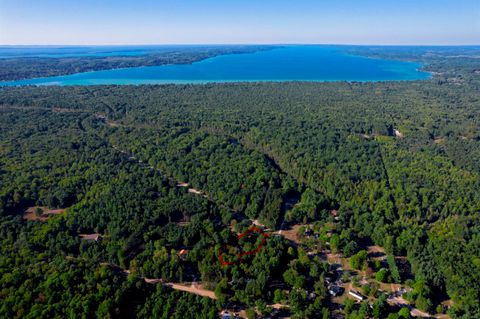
x=233 y=44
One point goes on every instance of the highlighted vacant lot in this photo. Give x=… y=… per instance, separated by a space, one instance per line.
x=231 y=254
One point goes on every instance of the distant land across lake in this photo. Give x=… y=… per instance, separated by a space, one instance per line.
x=286 y=63
x=8 y=52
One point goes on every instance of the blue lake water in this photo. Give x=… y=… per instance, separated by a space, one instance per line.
x=290 y=63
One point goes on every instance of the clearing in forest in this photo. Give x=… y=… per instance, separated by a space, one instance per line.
x=376 y=252
x=291 y=233
x=41 y=213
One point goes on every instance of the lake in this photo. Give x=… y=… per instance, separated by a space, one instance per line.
x=289 y=63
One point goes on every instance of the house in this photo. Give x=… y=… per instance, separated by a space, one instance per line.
x=334 y=214
x=356 y=295
x=183 y=253
x=224 y=314
x=335 y=290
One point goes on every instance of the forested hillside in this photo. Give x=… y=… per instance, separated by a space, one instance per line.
x=393 y=165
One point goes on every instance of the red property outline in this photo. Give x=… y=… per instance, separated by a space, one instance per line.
x=250 y=252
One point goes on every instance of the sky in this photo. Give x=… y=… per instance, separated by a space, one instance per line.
x=95 y=22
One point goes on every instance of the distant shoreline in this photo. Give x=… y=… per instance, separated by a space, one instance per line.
x=265 y=64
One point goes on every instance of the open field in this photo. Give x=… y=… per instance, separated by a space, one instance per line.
x=43 y=213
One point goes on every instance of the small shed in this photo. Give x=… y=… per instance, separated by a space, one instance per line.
x=356 y=295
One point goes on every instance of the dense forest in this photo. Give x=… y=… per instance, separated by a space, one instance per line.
x=148 y=183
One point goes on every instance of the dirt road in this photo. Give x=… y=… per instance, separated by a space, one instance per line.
x=193 y=288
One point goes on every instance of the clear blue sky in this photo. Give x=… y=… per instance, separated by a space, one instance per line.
x=239 y=21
